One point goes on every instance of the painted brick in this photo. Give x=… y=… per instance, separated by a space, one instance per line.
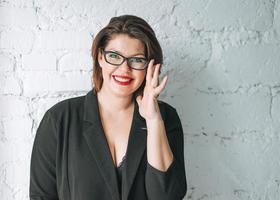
x=9 y=85
x=245 y=66
x=13 y=106
x=18 y=3
x=61 y=40
x=277 y=16
x=39 y=61
x=18 y=129
x=36 y=83
x=6 y=63
x=17 y=41
x=16 y=177
x=24 y=18
x=224 y=112
x=215 y=15
x=75 y=61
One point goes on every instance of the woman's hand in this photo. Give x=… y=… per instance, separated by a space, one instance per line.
x=148 y=105
x=159 y=154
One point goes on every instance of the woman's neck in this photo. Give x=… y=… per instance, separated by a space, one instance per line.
x=112 y=103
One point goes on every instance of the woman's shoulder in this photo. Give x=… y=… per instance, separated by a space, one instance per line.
x=66 y=107
x=165 y=104
x=166 y=109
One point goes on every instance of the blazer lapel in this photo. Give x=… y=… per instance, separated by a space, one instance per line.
x=96 y=140
x=136 y=147
x=94 y=134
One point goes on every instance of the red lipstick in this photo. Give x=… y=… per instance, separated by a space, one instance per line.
x=122 y=80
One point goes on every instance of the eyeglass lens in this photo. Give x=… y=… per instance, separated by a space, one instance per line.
x=134 y=62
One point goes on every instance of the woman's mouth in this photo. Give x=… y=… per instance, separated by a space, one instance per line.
x=122 y=80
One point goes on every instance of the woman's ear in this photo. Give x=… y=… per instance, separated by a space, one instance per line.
x=99 y=57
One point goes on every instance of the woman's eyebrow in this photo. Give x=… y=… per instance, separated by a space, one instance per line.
x=136 y=54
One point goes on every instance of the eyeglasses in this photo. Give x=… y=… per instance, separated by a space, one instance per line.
x=117 y=59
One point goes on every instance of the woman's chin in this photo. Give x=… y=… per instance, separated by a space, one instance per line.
x=122 y=91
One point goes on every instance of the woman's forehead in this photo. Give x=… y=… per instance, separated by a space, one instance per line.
x=126 y=45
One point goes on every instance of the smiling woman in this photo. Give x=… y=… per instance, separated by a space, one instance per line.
x=118 y=141
x=129 y=28
x=117 y=70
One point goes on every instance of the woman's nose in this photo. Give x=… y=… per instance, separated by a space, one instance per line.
x=124 y=66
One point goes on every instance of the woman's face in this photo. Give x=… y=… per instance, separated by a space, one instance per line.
x=132 y=79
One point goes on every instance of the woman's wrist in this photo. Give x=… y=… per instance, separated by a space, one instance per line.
x=154 y=122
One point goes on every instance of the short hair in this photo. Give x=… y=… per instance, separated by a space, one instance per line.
x=134 y=27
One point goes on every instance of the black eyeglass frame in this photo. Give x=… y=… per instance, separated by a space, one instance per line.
x=124 y=59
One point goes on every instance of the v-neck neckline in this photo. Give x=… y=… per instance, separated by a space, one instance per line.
x=95 y=137
x=129 y=133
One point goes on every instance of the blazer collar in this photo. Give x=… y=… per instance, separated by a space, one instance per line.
x=99 y=148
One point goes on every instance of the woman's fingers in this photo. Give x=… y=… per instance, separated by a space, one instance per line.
x=152 y=77
x=155 y=79
x=150 y=70
x=162 y=85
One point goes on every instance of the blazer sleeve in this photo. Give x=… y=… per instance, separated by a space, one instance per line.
x=43 y=161
x=170 y=184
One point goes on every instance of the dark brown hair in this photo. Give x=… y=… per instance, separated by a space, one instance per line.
x=134 y=27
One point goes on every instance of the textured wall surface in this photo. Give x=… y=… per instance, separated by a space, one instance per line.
x=223 y=58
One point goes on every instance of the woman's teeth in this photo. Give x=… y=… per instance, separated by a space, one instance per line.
x=122 y=79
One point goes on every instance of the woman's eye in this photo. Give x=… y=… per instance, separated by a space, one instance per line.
x=113 y=55
x=138 y=60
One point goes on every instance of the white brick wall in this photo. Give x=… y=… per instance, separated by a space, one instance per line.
x=24 y=18
x=6 y=63
x=39 y=61
x=62 y=40
x=224 y=79
x=17 y=41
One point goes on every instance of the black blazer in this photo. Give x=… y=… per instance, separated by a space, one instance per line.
x=71 y=159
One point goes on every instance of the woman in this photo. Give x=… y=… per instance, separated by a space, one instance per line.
x=117 y=142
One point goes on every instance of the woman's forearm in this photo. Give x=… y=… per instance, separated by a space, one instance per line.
x=159 y=154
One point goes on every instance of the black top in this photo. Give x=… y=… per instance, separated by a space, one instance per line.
x=119 y=170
